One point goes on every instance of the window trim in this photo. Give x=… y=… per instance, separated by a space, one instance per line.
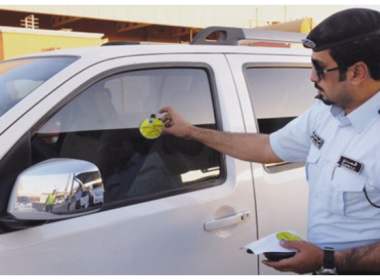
x=280 y=166
x=150 y=66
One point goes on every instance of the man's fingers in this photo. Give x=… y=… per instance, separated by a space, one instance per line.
x=165 y=110
x=169 y=123
x=292 y=244
x=175 y=124
x=165 y=119
x=282 y=265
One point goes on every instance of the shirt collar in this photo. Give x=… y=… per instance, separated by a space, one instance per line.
x=361 y=116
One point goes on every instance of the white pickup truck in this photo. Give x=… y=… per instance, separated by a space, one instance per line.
x=69 y=130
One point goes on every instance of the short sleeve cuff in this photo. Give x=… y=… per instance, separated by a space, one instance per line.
x=274 y=140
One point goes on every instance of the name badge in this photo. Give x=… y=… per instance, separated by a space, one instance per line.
x=350 y=164
x=316 y=140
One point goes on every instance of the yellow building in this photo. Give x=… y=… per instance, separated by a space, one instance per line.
x=175 y=23
x=20 y=41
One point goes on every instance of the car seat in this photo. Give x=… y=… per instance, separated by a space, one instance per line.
x=91 y=135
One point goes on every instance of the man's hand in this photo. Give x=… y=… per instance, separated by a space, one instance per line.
x=175 y=124
x=308 y=258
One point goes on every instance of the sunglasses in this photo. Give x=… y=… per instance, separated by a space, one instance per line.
x=320 y=71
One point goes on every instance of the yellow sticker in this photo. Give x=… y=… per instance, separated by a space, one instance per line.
x=151 y=128
x=287 y=236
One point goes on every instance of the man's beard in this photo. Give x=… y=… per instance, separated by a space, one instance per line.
x=320 y=97
x=326 y=102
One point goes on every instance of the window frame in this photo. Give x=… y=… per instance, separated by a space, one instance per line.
x=150 y=66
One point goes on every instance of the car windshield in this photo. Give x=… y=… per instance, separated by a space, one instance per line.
x=19 y=77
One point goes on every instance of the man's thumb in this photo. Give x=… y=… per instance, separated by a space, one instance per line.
x=296 y=245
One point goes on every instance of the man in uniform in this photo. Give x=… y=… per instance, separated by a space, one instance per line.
x=338 y=138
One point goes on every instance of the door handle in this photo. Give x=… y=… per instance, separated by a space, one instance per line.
x=235 y=219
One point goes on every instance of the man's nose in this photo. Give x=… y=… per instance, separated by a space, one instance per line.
x=314 y=76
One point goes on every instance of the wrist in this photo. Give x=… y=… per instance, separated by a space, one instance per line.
x=194 y=133
x=339 y=261
x=319 y=262
x=328 y=264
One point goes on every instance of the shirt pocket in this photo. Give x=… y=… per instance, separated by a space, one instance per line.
x=347 y=196
x=364 y=209
x=311 y=161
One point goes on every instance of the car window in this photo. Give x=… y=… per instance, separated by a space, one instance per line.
x=101 y=125
x=278 y=95
x=20 y=77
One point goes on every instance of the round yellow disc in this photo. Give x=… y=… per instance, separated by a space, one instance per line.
x=287 y=236
x=151 y=128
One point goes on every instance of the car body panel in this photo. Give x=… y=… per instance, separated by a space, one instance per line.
x=163 y=236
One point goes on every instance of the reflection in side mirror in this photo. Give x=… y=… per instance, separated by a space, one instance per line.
x=57 y=189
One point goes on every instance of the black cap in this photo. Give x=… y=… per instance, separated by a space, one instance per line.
x=343 y=27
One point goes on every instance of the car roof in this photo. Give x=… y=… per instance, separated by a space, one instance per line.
x=101 y=53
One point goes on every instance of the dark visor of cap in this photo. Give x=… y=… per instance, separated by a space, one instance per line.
x=307 y=43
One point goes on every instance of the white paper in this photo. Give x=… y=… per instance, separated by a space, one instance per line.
x=269 y=243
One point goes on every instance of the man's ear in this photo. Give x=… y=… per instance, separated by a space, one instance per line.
x=360 y=72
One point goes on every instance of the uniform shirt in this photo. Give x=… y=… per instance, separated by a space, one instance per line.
x=334 y=147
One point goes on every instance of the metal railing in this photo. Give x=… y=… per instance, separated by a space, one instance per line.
x=231 y=36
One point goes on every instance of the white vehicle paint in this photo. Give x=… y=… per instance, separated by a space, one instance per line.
x=198 y=228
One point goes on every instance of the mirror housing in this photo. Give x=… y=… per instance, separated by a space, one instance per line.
x=57 y=189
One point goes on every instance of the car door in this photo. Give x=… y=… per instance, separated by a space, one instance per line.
x=171 y=206
x=274 y=90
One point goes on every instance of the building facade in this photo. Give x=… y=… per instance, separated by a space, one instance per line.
x=151 y=22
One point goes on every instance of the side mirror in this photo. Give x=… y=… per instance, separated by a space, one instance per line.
x=57 y=189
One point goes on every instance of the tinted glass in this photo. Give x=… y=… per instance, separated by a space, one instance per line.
x=278 y=95
x=101 y=125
